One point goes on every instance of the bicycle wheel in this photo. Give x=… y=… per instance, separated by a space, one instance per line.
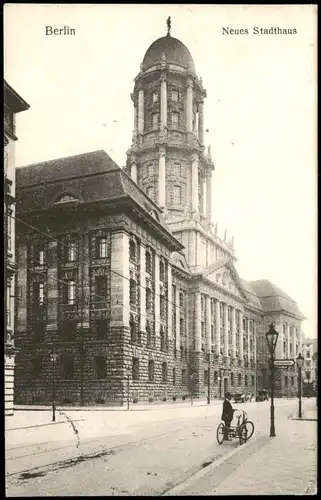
x=243 y=434
x=250 y=428
x=220 y=433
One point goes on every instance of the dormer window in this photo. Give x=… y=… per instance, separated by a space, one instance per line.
x=66 y=198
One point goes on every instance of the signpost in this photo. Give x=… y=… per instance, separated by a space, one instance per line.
x=283 y=363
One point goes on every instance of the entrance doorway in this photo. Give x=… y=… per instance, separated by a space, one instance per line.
x=225 y=385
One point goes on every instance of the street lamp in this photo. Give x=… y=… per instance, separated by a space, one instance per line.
x=300 y=363
x=53 y=359
x=271 y=338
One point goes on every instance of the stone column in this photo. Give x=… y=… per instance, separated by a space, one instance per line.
x=133 y=170
x=233 y=333
x=218 y=327
x=198 y=332
x=157 y=301
x=194 y=182
x=163 y=101
x=288 y=337
x=141 y=111
x=161 y=177
x=201 y=122
x=22 y=290
x=225 y=326
x=119 y=279
x=189 y=106
x=178 y=316
x=209 y=197
x=241 y=336
x=208 y=322
x=169 y=301
x=142 y=325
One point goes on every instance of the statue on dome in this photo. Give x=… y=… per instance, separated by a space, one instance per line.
x=168 y=26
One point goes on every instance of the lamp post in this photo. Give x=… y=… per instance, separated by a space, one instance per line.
x=271 y=338
x=300 y=363
x=53 y=359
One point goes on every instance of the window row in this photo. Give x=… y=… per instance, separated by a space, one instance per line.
x=173 y=96
x=173 y=120
x=69 y=251
x=66 y=367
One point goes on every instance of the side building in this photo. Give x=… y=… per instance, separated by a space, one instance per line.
x=13 y=104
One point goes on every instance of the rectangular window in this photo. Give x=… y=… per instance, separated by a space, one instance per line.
x=9 y=230
x=245 y=380
x=292 y=380
x=239 y=379
x=132 y=292
x=101 y=248
x=286 y=381
x=135 y=372
x=175 y=119
x=9 y=303
x=36 y=368
x=155 y=97
x=39 y=292
x=181 y=299
x=161 y=270
x=215 y=378
x=71 y=291
x=101 y=327
x=205 y=377
x=232 y=378
x=184 y=377
x=164 y=372
x=177 y=169
x=174 y=96
x=149 y=300
x=101 y=367
x=100 y=287
x=39 y=331
x=154 y=120
x=162 y=306
x=177 y=195
x=71 y=252
x=174 y=376
x=253 y=382
x=151 y=371
x=68 y=330
x=67 y=368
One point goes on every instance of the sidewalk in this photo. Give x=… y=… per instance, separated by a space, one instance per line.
x=286 y=465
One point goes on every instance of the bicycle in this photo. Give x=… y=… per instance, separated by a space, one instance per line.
x=243 y=430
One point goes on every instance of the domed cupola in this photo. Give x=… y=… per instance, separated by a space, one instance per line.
x=170 y=49
x=167 y=155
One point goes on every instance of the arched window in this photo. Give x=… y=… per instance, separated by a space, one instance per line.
x=148 y=259
x=132 y=250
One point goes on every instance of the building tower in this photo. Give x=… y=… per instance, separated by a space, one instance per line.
x=167 y=158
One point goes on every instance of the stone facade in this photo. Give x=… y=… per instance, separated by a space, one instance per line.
x=13 y=104
x=122 y=273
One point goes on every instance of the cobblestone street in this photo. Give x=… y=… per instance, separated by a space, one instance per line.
x=172 y=451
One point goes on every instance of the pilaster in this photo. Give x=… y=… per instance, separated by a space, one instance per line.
x=208 y=322
x=157 y=300
x=178 y=315
x=198 y=333
x=218 y=327
x=225 y=330
x=119 y=279
x=169 y=301
x=161 y=176
x=142 y=288
x=22 y=287
x=194 y=182
x=233 y=326
x=241 y=336
x=141 y=118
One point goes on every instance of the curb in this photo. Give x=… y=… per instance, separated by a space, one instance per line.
x=176 y=490
x=40 y=425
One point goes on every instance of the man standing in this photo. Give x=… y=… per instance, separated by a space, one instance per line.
x=227 y=415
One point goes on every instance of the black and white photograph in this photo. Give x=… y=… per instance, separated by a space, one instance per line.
x=160 y=249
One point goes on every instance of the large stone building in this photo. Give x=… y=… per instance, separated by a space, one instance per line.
x=310 y=354
x=122 y=271
x=13 y=104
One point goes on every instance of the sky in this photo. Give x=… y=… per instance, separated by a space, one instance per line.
x=260 y=113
